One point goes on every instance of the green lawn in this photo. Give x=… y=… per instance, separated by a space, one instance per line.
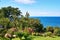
x=46 y=38
x=42 y=38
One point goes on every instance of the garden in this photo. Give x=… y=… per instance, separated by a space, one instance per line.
x=15 y=26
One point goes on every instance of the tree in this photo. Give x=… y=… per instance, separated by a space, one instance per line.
x=26 y=22
x=9 y=14
x=27 y=15
x=10 y=11
x=1 y=14
x=4 y=22
x=36 y=25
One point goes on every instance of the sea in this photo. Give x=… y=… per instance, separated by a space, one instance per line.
x=49 y=21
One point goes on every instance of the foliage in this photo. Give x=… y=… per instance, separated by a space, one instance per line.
x=27 y=15
x=11 y=18
x=36 y=34
x=57 y=31
x=47 y=34
x=4 y=22
x=3 y=38
x=50 y=29
x=23 y=36
x=2 y=32
x=7 y=11
x=32 y=23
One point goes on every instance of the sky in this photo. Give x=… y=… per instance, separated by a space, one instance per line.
x=35 y=7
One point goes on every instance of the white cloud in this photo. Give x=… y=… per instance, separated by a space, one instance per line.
x=54 y=14
x=25 y=1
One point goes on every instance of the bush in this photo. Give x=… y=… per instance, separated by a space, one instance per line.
x=23 y=35
x=3 y=31
x=3 y=38
x=28 y=38
x=37 y=34
x=48 y=34
x=44 y=35
x=57 y=32
x=20 y=34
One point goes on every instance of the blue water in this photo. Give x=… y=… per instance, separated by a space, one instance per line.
x=49 y=21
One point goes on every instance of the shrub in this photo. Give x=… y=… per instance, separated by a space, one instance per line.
x=36 y=34
x=3 y=31
x=3 y=38
x=57 y=32
x=27 y=37
x=48 y=34
x=23 y=35
x=44 y=35
x=49 y=29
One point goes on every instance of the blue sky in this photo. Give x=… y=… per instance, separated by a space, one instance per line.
x=35 y=7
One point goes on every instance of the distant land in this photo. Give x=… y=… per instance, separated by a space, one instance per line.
x=49 y=21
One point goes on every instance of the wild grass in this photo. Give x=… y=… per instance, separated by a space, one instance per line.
x=42 y=38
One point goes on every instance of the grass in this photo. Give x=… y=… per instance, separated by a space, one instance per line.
x=46 y=38
x=42 y=38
